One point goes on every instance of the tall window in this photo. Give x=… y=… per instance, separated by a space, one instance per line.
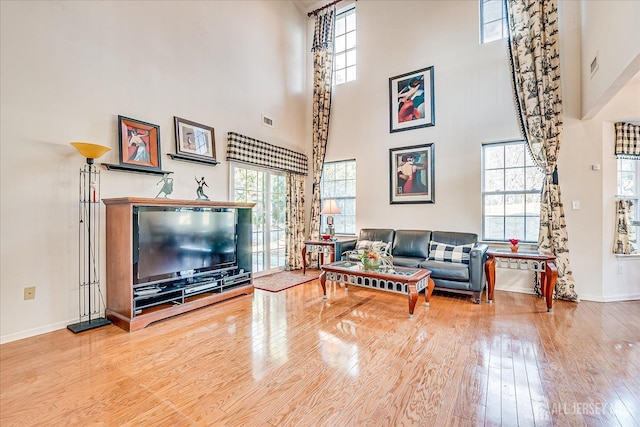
x=511 y=188
x=493 y=20
x=344 y=63
x=267 y=189
x=629 y=187
x=339 y=182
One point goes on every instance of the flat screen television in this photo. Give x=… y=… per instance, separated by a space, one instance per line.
x=172 y=244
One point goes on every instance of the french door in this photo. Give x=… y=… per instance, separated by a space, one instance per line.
x=267 y=189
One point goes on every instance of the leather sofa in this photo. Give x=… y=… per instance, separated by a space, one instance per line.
x=410 y=248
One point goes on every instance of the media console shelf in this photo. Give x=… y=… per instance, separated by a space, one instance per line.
x=134 y=306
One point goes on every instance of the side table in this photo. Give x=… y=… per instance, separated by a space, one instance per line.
x=324 y=247
x=523 y=260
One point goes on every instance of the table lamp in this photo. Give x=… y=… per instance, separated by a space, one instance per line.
x=89 y=295
x=330 y=208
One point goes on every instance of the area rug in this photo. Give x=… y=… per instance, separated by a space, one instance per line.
x=284 y=280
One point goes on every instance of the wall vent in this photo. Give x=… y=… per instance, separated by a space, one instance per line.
x=267 y=121
x=595 y=64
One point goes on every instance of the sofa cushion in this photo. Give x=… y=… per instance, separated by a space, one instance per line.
x=407 y=261
x=454 y=238
x=447 y=270
x=443 y=252
x=374 y=234
x=411 y=243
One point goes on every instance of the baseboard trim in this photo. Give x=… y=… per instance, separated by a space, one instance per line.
x=585 y=297
x=36 y=331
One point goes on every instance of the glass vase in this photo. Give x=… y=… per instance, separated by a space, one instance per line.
x=371 y=263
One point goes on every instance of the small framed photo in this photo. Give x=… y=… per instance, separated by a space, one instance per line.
x=194 y=140
x=411 y=100
x=139 y=144
x=411 y=174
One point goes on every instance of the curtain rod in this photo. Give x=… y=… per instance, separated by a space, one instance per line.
x=315 y=12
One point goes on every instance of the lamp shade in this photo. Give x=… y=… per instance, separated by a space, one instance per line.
x=90 y=150
x=330 y=208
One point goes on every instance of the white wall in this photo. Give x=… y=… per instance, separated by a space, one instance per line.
x=611 y=32
x=609 y=27
x=473 y=104
x=69 y=68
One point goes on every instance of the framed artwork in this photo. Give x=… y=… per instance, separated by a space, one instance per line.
x=411 y=174
x=139 y=144
x=411 y=101
x=194 y=140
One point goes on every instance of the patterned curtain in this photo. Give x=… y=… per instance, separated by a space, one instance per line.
x=244 y=149
x=322 y=74
x=627 y=141
x=622 y=243
x=295 y=221
x=535 y=63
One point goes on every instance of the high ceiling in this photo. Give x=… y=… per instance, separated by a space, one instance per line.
x=306 y=6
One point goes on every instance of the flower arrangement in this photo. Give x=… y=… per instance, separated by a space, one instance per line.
x=373 y=257
x=514 y=244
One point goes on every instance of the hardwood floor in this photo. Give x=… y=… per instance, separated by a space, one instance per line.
x=356 y=359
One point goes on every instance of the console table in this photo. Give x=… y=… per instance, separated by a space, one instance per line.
x=324 y=247
x=401 y=280
x=523 y=260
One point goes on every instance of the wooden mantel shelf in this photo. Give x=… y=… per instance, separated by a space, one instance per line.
x=147 y=201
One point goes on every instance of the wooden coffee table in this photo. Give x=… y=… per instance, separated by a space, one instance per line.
x=400 y=280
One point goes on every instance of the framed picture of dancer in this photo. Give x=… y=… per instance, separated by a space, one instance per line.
x=195 y=140
x=411 y=174
x=139 y=144
x=411 y=100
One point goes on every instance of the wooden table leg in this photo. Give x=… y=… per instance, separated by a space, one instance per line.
x=550 y=277
x=413 y=296
x=427 y=292
x=323 y=280
x=490 y=272
x=304 y=259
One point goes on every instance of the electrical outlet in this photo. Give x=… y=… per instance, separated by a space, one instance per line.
x=30 y=293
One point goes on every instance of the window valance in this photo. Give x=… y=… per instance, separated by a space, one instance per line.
x=249 y=150
x=627 y=141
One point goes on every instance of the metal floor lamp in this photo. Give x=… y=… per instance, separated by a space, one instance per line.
x=90 y=302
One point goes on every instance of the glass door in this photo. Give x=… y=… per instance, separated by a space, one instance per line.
x=267 y=189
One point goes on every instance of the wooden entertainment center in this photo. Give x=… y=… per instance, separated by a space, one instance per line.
x=132 y=309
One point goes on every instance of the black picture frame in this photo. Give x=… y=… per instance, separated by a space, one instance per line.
x=139 y=144
x=195 y=141
x=411 y=100
x=412 y=174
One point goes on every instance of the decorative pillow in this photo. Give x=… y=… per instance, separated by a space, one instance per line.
x=379 y=245
x=363 y=244
x=444 y=252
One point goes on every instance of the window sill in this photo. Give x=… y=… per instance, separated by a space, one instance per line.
x=626 y=257
x=500 y=245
